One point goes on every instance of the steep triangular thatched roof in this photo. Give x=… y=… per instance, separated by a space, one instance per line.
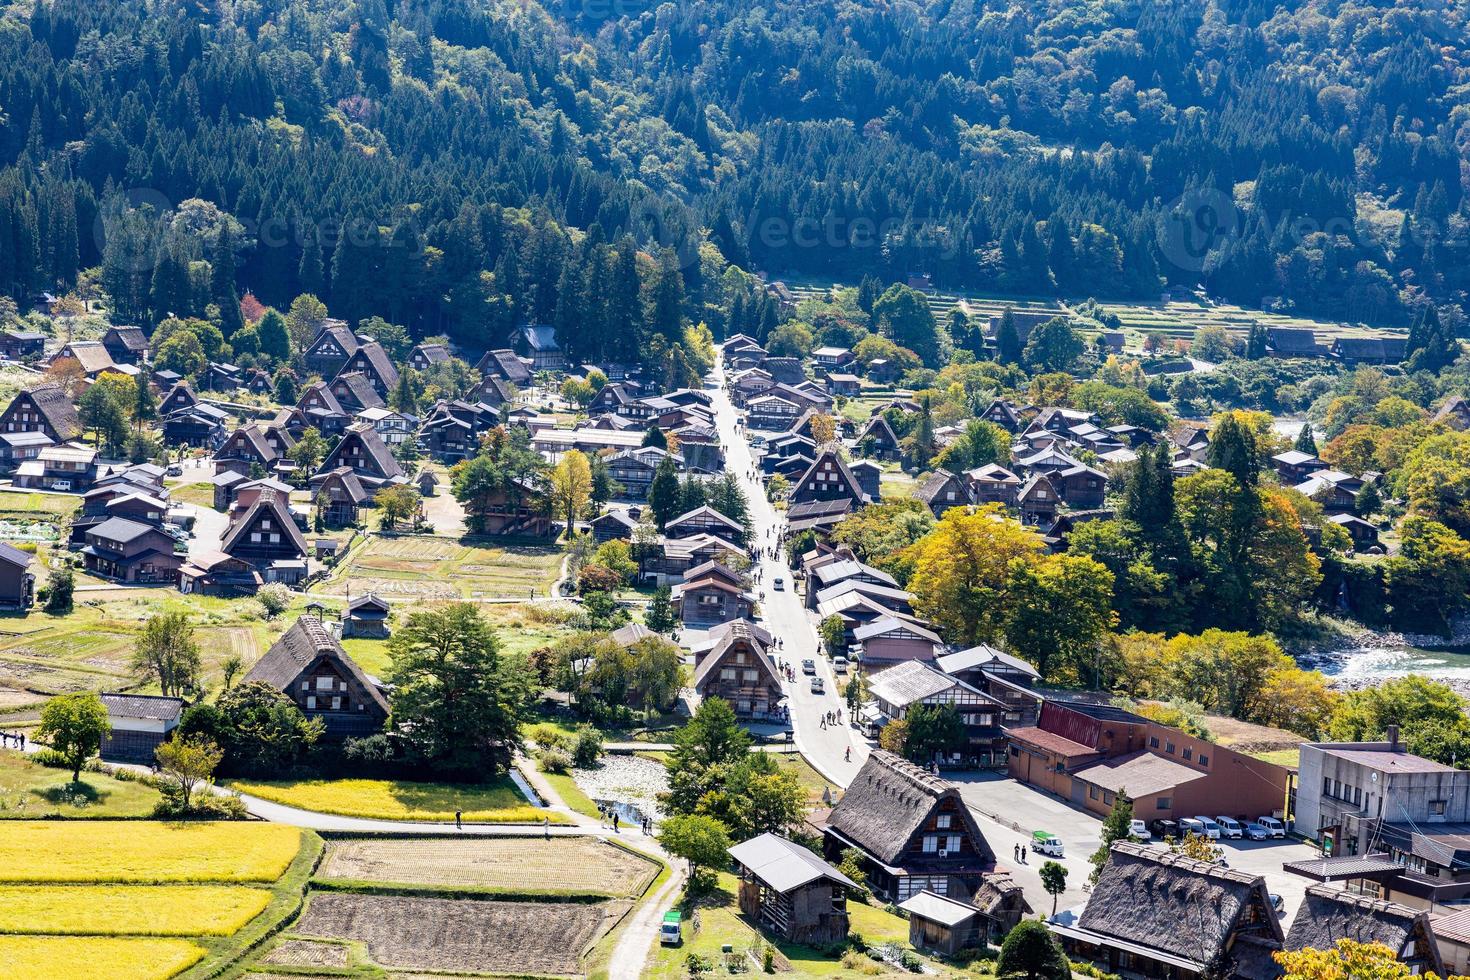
x=887 y=803
x=298 y=648
x=1328 y=914
x=1187 y=909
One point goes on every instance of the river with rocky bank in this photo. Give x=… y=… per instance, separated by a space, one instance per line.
x=1356 y=657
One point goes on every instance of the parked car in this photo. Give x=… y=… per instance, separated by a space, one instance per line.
x=808 y=666
x=1276 y=827
x=1191 y=825
x=839 y=664
x=175 y=470
x=1254 y=831
x=1046 y=843
x=1137 y=828
x=779 y=584
x=817 y=686
x=1163 y=827
x=1278 y=904
x=1209 y=829
x=1230 y=827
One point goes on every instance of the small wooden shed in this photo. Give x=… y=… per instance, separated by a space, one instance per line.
x=944 y=925
x=366 y=616
x=791 y=892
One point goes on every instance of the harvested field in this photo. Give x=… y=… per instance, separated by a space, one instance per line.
x=128 y=910
x=300 y=952
x=425 y=567
x=563 y=865
x=410 y=933
x=103 y=851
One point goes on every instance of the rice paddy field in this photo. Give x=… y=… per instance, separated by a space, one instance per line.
x=143 y=900
x=104 y=852
x=1174 y=320
x=387 y=799
x=431 y=567
x=95 y=958
x=128 y=910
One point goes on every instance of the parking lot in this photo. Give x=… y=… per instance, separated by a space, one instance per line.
x=1009 y=812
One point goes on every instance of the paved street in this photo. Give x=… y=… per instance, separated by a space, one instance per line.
x=1010 y=811
x=1007 y=811
x=784 y=615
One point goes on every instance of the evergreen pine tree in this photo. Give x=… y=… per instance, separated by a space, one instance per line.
x=1007 y=339
x=1306 y=442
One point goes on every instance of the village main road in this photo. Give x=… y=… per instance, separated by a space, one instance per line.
x=835 y=751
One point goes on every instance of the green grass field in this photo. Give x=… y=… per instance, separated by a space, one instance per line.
x=29 y=791
x=721 y=924
x=386 y=799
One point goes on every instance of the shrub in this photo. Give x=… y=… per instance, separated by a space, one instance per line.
x=50 y=758
x=857 y=963
x=550 y=737
x=275 y=597
x=554 y=760
x=587 y=747
x=204 y=806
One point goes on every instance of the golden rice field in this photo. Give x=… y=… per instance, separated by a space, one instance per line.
x=129 y=910
x=106 y=851
x=94 y=958
x=388 y=799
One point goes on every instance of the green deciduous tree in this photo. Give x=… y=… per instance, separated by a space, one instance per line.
x=459 y=702
x=167 y=652
x=1030 y=952
x=74 y=725
x=702 y=841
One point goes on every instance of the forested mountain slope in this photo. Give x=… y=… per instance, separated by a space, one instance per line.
x=1315 y=152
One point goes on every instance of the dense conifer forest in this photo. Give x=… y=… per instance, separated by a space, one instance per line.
x=460 y=166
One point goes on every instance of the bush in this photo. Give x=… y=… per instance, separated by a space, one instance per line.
x=857 y=963
x=587 y=747
x=204 y=806
x=554 y=760
x=275 y=598
x=550 y=737
x=51 y=759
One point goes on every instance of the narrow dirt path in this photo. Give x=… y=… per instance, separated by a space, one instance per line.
x=631 y=953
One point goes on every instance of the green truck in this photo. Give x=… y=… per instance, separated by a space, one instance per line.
x=671 y=933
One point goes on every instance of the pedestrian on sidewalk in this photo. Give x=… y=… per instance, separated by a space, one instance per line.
x=847 y=754
x=458 y=822
x=615 y=821
x=546 y=827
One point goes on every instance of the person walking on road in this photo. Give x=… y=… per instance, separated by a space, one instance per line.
x=458 y=822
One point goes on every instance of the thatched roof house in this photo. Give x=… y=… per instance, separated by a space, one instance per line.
x=913 y=829
x=1328 y=914
x=1158 y=912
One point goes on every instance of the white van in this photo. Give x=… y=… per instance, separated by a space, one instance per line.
x=1212 y=829
x=1276 y=827
x=1191 y=825
x=1230 y=827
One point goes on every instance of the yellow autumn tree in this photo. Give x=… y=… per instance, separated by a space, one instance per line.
x=1347 y=960
x=962 y=571
x=571 y=486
